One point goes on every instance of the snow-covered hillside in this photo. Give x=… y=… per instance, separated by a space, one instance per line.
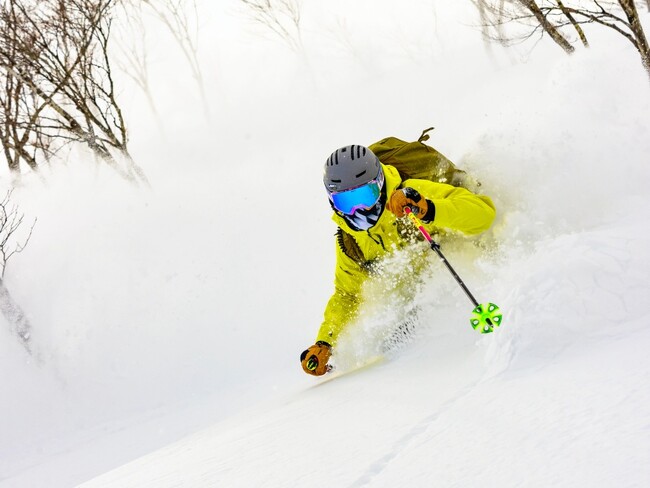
x=168 y=321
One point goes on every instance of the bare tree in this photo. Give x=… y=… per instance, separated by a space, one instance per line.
x=553 y=16
x=57 y=79
x=133 y=57
x=496 y=15
x=10 y=223
x=282 y=17
x=567 y=13
x=21 y=140
x=634 y=32
x=181 y=19
x=548 y=26
x=174 y=15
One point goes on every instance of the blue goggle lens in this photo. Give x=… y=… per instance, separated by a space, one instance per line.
x=365 y=197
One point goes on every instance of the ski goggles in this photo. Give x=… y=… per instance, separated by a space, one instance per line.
x=361 y=197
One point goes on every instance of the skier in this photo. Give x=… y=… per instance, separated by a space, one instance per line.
x=360 y=190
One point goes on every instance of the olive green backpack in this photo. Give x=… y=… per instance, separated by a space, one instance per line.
x=420 y=161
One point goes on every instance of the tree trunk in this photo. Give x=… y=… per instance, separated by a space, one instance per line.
x=641 y=42
x=550 y=29
x=573 y=21
x=19 y=324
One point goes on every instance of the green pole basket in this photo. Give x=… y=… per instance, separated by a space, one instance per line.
x=485 y=317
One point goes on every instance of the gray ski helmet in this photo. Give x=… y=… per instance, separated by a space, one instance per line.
x=349 y=167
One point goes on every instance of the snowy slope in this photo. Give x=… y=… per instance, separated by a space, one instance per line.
x=181 y=310
x=557 y=398
x=550 y=425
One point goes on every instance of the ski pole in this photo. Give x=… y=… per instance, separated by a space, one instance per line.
x=484 y=316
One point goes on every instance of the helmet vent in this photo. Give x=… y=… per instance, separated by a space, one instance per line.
x=358 y=150
x=361 y=174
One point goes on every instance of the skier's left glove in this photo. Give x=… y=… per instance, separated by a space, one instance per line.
x=411 y=198
x=314 y=358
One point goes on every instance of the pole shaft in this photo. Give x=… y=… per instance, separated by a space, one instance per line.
x=436 y=248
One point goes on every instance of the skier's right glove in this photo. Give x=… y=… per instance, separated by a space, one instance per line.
x=314 y=358
x=424 y=209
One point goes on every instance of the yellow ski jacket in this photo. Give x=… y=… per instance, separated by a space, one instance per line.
x=456 y=209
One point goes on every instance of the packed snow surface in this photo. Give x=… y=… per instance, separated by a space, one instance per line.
x=168 y=321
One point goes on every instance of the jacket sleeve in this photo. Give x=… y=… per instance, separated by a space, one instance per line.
x=342 y=306
x=456 y=208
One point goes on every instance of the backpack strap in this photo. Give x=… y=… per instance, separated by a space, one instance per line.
x=424 y=136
